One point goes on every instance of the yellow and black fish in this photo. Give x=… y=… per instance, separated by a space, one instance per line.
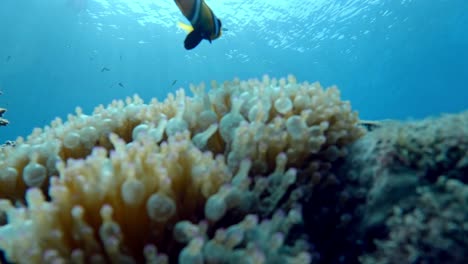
x=205 y=25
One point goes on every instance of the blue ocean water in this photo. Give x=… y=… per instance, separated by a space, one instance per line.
x=395 y=59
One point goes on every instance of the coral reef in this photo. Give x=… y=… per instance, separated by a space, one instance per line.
x=270 y=171
x=217 y=178
x=410 y=183
x=434 y=229
x=407 y=155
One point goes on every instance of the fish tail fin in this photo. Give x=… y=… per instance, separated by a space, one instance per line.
x=185 y=27
x=192 y=40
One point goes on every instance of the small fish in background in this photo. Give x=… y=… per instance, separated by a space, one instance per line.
x=3 y=121
x=204 y=23
x=173 y=83
x=119 y=84
x=8 y=58
x=120 y=57
x=370 y=125
x=104 y=69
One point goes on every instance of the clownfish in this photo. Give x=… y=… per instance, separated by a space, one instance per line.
x=204 y=23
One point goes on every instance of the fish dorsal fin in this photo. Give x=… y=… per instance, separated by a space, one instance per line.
x=192 y=40
x=185 y=27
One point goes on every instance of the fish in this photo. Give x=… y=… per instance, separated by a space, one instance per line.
x=3 y=122
x=8 y=58
x=370 y=125
x=173 y=82
x=105 y=69
x=204 y=23
x=121 y=85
